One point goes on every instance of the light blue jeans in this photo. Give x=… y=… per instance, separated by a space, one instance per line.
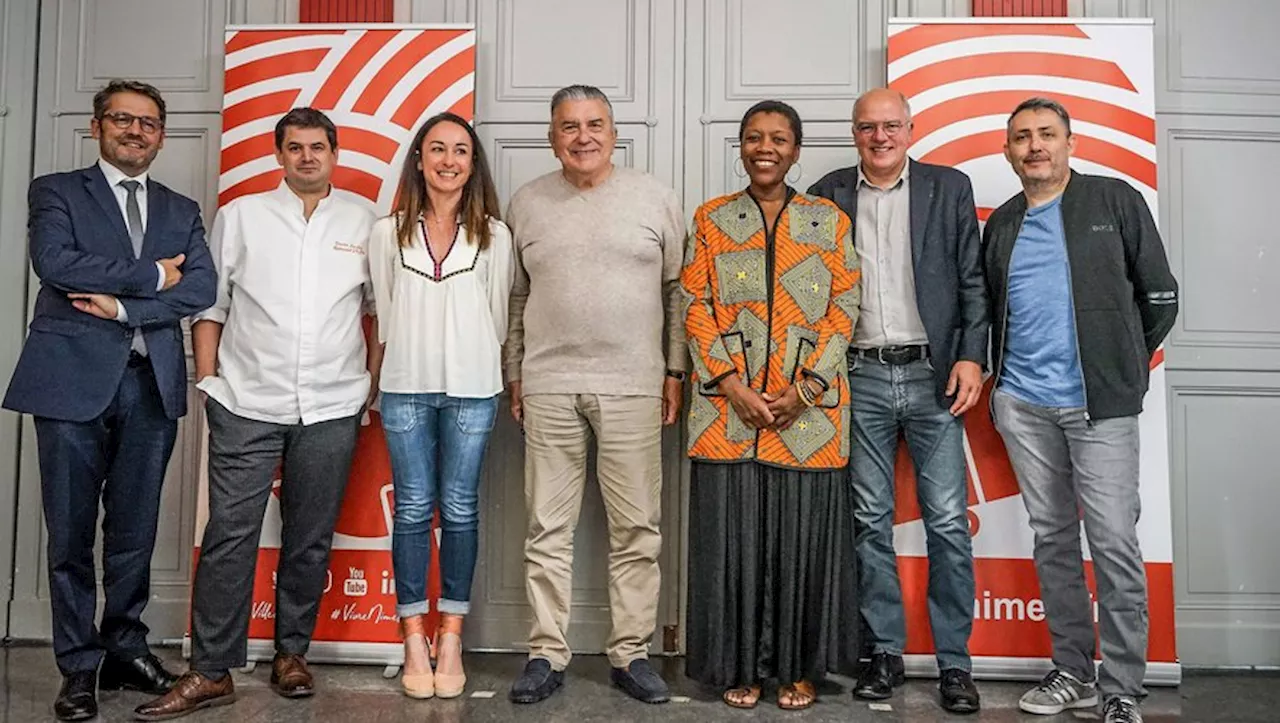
x=437 y=445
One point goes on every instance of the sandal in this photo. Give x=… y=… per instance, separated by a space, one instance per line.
x=450 y=685
x=415 y=685
x=745 y=697
x=797 y=696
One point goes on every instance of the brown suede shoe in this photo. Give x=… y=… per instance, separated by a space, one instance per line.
x=191 y=693
x=290 y=677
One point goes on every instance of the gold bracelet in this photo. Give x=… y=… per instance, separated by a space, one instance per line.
x=806 y=396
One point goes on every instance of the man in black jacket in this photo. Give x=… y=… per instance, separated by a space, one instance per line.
x=915 y=368
x=1082 y=296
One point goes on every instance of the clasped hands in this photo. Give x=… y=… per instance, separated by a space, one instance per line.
x=766 y=411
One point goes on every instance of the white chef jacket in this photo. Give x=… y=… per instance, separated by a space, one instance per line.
x=291 y=297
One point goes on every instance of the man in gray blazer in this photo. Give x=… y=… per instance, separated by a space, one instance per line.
x=915 y=368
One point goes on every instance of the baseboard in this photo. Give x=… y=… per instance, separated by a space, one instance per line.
x=993 y=668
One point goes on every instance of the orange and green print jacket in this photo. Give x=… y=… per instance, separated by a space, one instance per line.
x=770 y=307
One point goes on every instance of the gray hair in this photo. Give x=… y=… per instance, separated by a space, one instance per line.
x=580 y=92
x=1041 y=103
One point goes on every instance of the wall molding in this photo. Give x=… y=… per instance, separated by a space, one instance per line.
x=1179 y=82
x=1185 y=335
x=1190 y=591
x=506 y=91
x=88 y=82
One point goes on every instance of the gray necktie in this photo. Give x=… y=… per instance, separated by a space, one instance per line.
x=133 y=215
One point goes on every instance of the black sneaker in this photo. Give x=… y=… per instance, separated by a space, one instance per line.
x=537 y=682
x=959 y=694
x=641 y=681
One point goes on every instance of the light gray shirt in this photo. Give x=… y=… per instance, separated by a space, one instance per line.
x=882 y=235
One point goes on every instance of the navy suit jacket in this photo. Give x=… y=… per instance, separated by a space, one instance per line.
x=946 y=255
x=72 y=362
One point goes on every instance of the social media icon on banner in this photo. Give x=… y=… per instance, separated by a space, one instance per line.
x=355 y=585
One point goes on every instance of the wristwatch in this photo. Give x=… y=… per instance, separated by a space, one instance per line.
x=678 y=376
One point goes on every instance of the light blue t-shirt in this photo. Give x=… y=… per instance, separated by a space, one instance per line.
x=1041 y=363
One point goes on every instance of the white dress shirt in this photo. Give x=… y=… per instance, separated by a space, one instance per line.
x=291 y=295
x=114 y=177
x=443 y=323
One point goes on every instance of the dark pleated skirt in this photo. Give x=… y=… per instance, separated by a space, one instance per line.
x=772 y=577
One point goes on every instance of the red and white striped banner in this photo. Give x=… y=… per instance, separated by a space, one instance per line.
x=963 y=78
x=376 y=83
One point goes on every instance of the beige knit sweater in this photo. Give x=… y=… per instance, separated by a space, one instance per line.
x=596 y=304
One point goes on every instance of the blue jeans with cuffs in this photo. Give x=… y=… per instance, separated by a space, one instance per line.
x=437 y=445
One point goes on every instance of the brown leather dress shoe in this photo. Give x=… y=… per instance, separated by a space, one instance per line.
x=191 y=693
x=290 y=677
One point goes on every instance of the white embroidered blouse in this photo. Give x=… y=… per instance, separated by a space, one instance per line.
x=443 y=320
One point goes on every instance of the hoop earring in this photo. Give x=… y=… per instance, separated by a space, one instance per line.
x=739 y=170
x=799 y=172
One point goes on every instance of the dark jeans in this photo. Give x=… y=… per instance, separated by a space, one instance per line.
x=243 y=458
x=120 y=459
x=437 y=446
x=888 y=400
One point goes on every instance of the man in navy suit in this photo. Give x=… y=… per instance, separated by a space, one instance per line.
x=121 y=259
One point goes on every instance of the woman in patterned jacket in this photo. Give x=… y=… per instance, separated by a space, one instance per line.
x=771 y=282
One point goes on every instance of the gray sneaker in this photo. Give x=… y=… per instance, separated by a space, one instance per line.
x=1121 y=709
x=1059 y=691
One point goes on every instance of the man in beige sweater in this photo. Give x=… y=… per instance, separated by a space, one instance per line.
x=595 y=348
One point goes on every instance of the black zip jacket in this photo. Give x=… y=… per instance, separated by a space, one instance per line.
x=1125 y=297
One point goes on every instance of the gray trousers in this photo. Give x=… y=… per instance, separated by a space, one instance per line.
x=1064 y=465
x=244 y=455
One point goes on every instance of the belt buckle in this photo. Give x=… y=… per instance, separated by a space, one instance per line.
x=880 y=355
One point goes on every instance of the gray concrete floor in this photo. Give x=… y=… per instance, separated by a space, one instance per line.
x=29 y=681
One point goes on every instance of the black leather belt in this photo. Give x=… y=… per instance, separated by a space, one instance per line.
x=895 y=355
x=136 y=359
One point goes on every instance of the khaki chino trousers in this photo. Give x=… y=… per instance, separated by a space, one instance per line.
x=628 y=435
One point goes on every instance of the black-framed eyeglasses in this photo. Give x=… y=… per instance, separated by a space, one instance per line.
x=124 y=121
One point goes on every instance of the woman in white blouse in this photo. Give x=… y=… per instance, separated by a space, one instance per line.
x=442 y=270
